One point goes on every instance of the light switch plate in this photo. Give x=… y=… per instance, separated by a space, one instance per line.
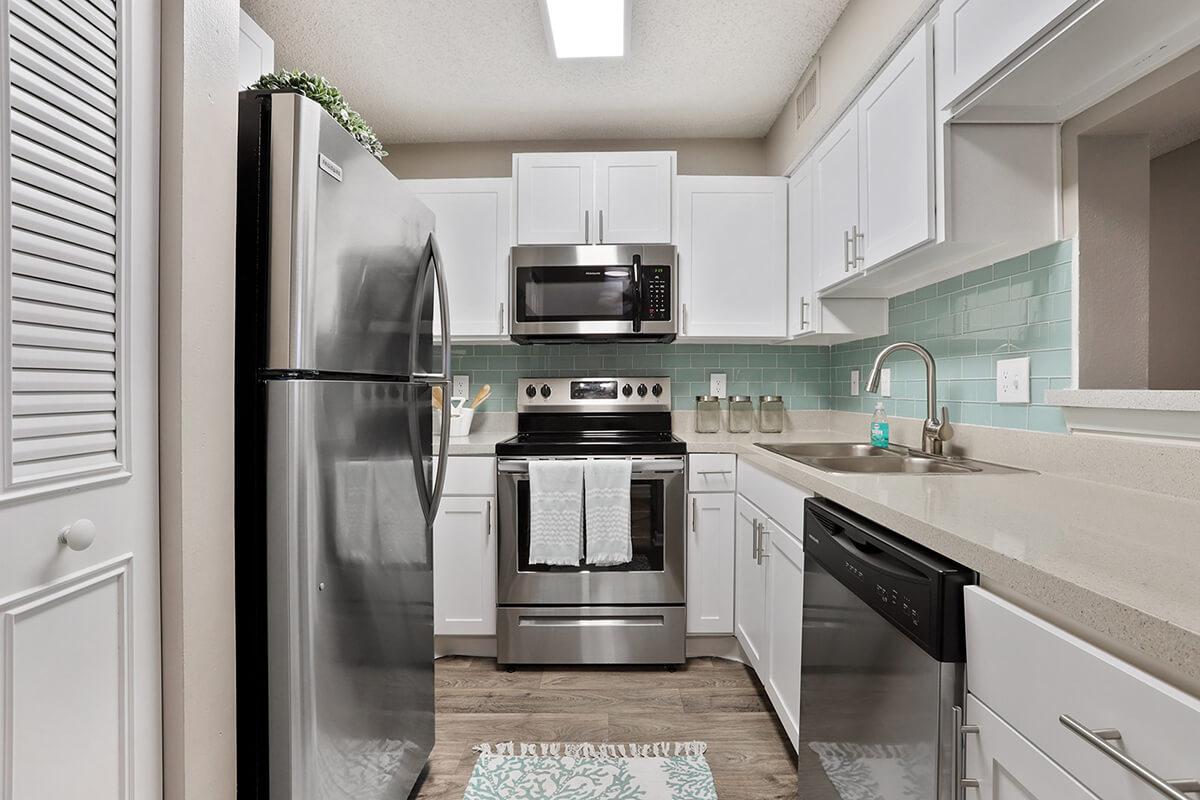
x=885 y=382
x=854 y=383
x=716 y=384
x=1012 y=380
x=461 y=387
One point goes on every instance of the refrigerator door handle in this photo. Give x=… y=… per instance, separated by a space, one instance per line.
x=433 y=256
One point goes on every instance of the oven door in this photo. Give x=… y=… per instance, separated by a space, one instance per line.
x=654 y=576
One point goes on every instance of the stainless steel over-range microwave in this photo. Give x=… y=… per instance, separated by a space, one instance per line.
x=615 y=293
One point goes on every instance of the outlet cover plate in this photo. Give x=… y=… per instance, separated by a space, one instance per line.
x=1012 y=380
x=854 y=378
x=716 y=384
x=885 y=382
x=461 y=387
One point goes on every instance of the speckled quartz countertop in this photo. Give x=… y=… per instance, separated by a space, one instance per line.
x=1122 y=562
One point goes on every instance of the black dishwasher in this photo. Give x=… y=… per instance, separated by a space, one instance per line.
x=882 y=662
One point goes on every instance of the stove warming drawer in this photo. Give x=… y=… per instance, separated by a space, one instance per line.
x=591 y=635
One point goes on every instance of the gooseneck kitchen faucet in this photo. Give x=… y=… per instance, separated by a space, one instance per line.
x=936 y=430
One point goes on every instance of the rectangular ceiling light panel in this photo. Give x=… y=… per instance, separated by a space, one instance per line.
x=587 y=28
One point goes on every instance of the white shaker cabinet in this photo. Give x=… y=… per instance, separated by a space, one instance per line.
x=473 y=225
x=784 y=556
x=801 y=251
x=895 y=155
x=710 y=563
x=464 y=567
x=750 y=585
x=633 y=197
x=555 y=194
x=732 y=239
x=835 y=196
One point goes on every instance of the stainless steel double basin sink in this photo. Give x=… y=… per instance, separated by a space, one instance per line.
x=849 y=458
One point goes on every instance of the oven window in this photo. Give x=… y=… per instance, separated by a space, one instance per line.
x=647 y=523
x=574 y=294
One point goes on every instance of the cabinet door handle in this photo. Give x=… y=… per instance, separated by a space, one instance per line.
x=601 y=212
x=502 y=317
x=960 y=755
x=858 y=236
x=1099 y=738
x=803 y=316
x=754 y=539
x=488 y=530
x=693 y=515
x=587 y=228
x=685 y=318
x=846 y=252
x=762 y=549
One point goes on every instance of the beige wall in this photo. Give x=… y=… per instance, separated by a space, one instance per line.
x=199 y=127
x=1175 y=269
x=857 y=46
x=494 y=159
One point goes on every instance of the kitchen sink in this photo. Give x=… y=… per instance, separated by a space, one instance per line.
x=851 y=458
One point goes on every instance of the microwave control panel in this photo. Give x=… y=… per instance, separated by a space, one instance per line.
x=656 y=293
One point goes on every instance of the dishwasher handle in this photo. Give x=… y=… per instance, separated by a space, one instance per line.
x=864 y=551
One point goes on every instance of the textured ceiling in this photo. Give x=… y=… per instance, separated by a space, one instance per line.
x=479 y=70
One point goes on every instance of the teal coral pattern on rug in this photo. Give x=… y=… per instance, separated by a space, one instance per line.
x=586 y=771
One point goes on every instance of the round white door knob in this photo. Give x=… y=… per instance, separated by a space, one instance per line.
x=79 y=535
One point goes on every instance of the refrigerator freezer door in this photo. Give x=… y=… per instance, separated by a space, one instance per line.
x=345 y=251
x=349 y=588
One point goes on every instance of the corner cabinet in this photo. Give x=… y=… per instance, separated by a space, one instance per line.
x=594 y=198
x=473 y=222
x=732 y=239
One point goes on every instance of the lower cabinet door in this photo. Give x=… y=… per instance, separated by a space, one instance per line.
x=464 y=567
x=710 y=563
x=785 y=599
x=750 y=583
x=1007 y=766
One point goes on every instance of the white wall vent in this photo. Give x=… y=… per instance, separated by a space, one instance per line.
x=807 y=96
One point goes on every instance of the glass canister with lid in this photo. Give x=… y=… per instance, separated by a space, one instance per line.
x=708 y=414
x=741 y=413
x=770 y=413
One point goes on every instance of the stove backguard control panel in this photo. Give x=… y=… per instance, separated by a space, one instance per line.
x=609 y=393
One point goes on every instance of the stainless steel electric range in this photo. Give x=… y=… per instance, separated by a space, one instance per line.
x=582 y=614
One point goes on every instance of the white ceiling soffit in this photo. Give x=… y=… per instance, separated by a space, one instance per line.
x=481 y=70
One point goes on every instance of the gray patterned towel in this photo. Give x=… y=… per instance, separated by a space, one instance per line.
x=555 y=512
x=606 y=500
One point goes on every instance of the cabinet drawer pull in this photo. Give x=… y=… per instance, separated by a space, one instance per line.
x=1099 y=738
x=714 y=472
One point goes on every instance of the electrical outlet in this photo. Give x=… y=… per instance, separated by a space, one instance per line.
x=854 y=383
x=461 y=387
x=885 y=382
x=716 y=384
x=1012 y=380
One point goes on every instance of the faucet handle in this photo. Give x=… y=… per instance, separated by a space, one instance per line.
x=945 y=431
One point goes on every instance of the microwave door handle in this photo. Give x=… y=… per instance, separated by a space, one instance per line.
x=637 y=294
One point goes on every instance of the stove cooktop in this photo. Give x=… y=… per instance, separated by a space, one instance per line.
x=592 y=443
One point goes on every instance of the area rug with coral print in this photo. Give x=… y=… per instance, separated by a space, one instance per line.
x=591 y=771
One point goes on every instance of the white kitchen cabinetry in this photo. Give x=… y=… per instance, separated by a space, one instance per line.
x=835 y=196
x=785 y=599
x=710 y=563
x=473 y=224
x=594 y=198
x=1007 y=766
x=464 y=550
x=750 y=583
x=732 y=238
x=1042 y=680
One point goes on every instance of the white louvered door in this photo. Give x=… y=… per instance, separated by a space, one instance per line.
x=80 y=711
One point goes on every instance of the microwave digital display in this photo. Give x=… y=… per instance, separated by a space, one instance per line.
x=593 y=390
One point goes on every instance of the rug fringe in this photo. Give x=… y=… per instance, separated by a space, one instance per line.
x=593 y=749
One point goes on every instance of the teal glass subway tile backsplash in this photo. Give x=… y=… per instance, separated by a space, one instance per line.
x=1014 y=308
x=1017 y=307
x=800 y=374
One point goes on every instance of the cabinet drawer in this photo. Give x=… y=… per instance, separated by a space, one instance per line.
x=712 y=472
x=782 y=501
x=1031 y=673
x=1006 y=764
x=471 y=475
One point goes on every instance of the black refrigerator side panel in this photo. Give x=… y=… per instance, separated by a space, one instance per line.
x=253 y=231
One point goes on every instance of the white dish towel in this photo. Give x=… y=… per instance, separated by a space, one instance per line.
x=555 y=512
x=606 y=488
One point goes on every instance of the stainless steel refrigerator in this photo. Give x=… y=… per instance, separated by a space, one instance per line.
x=336 y=489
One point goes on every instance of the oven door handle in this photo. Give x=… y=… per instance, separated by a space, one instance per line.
x=648 y=466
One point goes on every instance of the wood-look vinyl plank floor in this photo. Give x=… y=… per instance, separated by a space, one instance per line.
x=712 y=700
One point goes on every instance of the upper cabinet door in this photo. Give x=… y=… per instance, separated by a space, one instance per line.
x=555 y=198
x=800 y=251
x=980 y=36
x=895 y=131
x=733 y=257
x=473 y=221
x=633 y=197
x=835 y=194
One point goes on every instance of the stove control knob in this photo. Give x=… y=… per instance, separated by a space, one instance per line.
x=657 y=390
x=530 y=390
x=545 y=390
x=641 y=390
x=627 y=390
